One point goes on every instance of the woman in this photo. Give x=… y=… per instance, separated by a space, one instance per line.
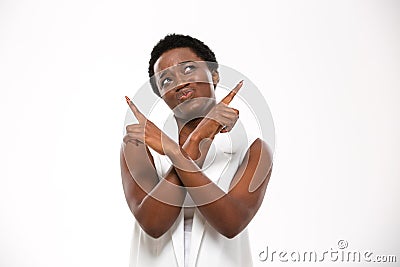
x=187 y=215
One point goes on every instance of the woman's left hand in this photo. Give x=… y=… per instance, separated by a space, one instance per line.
x=146 y=132
x=221 y=117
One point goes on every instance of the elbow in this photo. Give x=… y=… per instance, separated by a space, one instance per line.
x=232 y=233
x=233 y=230
x=153 y=228
x=154 y=232
x=154 y=224
x=236 y=224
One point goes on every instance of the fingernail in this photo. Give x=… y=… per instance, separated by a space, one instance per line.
x=127 y=100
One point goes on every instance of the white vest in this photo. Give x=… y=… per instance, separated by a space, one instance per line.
x=208 y=247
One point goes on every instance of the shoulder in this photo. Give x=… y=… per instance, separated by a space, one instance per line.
x=259 y=151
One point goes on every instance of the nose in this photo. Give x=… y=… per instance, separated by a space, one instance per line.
x=181 y=80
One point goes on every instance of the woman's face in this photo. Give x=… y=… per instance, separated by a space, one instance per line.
x=185 y=83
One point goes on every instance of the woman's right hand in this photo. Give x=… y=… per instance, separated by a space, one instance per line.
x=221 y=117
x=146 y=132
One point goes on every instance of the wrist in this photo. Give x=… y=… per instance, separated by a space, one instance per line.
x=196 y=136
x=169 y=146
x=207 y=128
x=172 y=150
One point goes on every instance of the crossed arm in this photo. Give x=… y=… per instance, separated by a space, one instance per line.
x=156 y=204
x=229 y=213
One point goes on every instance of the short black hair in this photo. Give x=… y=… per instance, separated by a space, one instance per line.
x=172 y=41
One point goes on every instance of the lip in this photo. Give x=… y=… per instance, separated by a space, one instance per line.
x=184 y=94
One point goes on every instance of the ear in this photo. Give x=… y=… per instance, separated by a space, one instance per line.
x=215 y=77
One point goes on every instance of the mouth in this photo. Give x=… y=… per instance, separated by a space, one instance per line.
x=184 y=94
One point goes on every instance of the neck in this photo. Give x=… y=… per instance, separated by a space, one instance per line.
x=185 y=128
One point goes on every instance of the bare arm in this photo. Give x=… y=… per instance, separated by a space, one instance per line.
x=228 y=213
x=146 y=195
x=143 y=190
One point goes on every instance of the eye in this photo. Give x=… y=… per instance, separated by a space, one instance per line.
x=189 y=69
x=165 y=82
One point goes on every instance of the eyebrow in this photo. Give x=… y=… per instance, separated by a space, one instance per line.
x=183 y=62
x=164 y=72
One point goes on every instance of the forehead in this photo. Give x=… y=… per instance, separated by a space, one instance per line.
x=175 y=56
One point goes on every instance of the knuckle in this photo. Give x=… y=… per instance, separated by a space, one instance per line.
x=221 y=105
x=131 y=127
x=126 y=139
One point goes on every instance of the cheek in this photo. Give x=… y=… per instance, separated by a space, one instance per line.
x=206 y=90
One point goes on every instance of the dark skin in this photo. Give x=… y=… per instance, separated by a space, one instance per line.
x=146 y=195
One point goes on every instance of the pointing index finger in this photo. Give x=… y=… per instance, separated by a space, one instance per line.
x=134 y=109
x=227 y=99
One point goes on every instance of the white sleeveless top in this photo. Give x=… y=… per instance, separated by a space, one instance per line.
x=191 y=241
x=188 y=214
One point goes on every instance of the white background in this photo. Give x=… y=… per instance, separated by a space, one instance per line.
x=329 y=71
